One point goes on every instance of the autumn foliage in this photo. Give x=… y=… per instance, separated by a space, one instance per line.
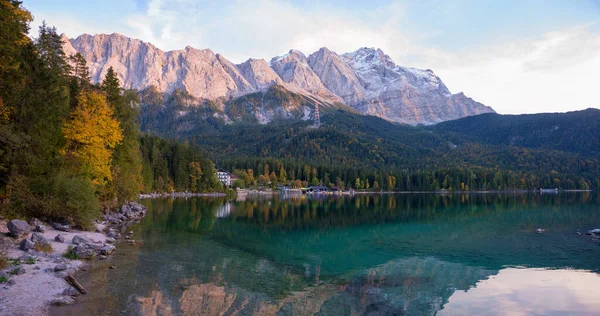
x=91 y=135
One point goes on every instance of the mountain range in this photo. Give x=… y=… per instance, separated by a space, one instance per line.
x=366 y=81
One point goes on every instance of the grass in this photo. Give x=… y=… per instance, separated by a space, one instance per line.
x=14 y=261
x=31 y=260
x=3 y=260
x=3 y=279
x=47 y=248
x=14 y=271
x=70 y=254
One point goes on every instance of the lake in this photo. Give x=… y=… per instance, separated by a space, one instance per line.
x=389 y=254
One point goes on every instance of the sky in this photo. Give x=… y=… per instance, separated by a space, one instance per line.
x=517 y=56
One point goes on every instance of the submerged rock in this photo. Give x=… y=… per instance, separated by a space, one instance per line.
x=594 y=232
x=18 y=228
x=107 y=249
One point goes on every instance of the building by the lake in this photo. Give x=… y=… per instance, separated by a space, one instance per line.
x=224 y=177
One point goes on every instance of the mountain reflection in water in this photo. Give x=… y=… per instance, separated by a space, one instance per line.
x=409 y=254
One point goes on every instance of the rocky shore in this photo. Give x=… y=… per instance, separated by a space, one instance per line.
x=43 y=258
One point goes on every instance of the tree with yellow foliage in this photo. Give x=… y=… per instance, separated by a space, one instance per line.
x=91 y=135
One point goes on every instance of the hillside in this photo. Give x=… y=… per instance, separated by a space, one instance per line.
x=371 y=145
x=577 y=131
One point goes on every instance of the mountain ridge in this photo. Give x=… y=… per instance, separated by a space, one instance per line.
x=367 y=80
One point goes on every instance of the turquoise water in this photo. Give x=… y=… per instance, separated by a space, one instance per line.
x=409 y=254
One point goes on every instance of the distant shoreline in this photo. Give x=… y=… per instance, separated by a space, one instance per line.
x=469 y=192
x=219 y=194
x=178 y=194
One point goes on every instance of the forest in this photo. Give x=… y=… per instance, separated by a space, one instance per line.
x=523 y=152
x=69 y=148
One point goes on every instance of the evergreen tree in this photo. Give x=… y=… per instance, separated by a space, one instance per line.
x=127 y=164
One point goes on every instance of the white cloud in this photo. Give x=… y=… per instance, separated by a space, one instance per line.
x=554 y=73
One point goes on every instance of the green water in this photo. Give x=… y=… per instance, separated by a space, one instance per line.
x=410 y=254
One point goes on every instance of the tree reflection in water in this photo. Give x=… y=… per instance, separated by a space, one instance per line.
x=367 y=254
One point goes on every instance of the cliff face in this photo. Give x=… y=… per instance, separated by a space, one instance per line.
x=406 y=95
x=366 y=80
x=294 y=69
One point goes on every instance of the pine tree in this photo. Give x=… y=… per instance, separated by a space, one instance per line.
x=79 y=70
x=127 y=163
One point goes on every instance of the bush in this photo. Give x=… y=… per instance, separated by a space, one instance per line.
x=76 y=200
x=47 y=248
x=3 y=260
x=3 y=251
x=59 y=197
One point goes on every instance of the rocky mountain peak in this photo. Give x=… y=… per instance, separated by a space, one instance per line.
x=258 y=73
x=337 y=75
x=293 y=68
x=292 y=56
x=367 y=79
x=368 y=57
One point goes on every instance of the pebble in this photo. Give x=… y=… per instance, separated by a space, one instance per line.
x=40 y=228
x=60 y=267
x=60 y=238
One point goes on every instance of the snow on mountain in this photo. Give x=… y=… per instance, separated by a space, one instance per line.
x=367 y=80
x=405 y=95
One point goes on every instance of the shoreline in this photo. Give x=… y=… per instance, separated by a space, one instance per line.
x=252 y=192
x=178 y=195
x=33 y=281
